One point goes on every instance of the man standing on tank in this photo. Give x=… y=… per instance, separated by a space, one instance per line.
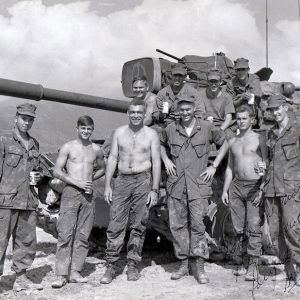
x=282 y=197
x=135 y=151
x=188 y=141
x=19 y=154
x=75 y=166
x=170 y=93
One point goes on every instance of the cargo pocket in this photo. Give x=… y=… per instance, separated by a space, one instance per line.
x=200 y=145
x=290 y=148
x=175 y=149
x=205 y=190
x=171 y=180
x=7 y=199
x=13 y=157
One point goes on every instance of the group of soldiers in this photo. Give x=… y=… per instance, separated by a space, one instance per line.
x=178 y=127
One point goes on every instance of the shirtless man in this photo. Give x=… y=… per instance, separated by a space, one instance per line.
x=245 y=151
x=75 y=166
x=140 y=88
x=135 y=149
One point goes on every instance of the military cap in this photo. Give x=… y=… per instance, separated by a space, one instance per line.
x=179 y=69
x=186 y=98
x=276 y=101
x=241 y=63
x=214 y=74
x=27 y=109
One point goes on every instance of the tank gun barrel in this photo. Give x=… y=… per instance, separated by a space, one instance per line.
x=168 y=54
x=37 y=92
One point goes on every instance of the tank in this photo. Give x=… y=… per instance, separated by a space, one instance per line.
x=157 y=71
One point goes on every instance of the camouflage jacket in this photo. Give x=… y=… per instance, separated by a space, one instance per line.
x=190 y=155
x=283 y=175
x=15 y=165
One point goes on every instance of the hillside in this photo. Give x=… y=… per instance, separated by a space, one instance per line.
x=56 y=123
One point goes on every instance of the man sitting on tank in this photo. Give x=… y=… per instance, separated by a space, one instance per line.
x=246 y=149
x=165 y=110
x=218 y=104
x=245 y=87
x=135 y=151
x=140 y=89
x=75 y=166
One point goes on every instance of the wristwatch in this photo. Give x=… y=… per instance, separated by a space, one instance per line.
x=214 y=166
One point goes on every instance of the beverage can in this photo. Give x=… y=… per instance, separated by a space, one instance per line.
x=261 y=171
x=210 y=119
x=88 y=191
x=165 y=109
x=251 y=100
x=32 y=175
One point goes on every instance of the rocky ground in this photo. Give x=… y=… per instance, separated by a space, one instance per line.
x=154 y=283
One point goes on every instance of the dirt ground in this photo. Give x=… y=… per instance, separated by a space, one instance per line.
x=154 y=283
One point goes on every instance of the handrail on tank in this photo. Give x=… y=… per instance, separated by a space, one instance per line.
x=37 y=92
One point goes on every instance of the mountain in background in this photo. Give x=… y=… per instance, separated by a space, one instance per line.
x=55 y=123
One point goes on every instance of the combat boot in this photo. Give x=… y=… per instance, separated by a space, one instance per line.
x=59 y=282
x=132 y=271
x=288 y=275
x=75 y=277
x=182 y=271
x=200 y=275
x=22 y=282
x=109 y=274
x=252 y=271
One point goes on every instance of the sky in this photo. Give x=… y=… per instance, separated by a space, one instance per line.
x=82 y=45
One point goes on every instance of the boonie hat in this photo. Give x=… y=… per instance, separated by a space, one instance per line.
x=241 y=63
x=27 y=109
x=276 y=101
x=179 y=69
x=186 y=98
x=214 y=74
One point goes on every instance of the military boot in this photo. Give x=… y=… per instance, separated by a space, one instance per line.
x=75 y=277
x=59 y=282
x=132 y=271
x=109 y=274
x=182 y=271
x=252 y=270
x=288 y=275
x=201 y=276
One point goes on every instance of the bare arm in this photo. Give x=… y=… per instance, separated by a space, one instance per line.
x=228 y=180
x=169 y=165
x=100 y=162
x=149 y=110
x=60 y=173
x=155 y=154
x=227 y=122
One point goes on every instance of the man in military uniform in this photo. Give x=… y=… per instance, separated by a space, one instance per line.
x=218 y=104
x=188 y=140
x=244 y=86
x=282 y=197
x=19 y=153
x=168 y=94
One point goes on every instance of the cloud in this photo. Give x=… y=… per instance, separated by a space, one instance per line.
x=71 y=47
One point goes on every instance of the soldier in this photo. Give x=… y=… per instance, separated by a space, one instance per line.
x=188 y=140
x=134 y=150
x=244 y=86
x=282 y=198
x=140 y=88
x=18 y=201
x=75 y=166
x=218 y=104
x=245 y=150
x=168 y=95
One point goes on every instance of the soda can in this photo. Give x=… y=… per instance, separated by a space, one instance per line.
x=251 y=100
x=88 y=191
x=210 y=119
x=165 y=109
x=261 y=171
x=32 y=175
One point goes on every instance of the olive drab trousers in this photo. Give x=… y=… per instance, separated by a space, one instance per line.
x=75 y=222
x=21 y=224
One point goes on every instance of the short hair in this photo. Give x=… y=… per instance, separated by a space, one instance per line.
x=137 y=101
x=245 y=108
x=140 y=78
x=85 y=121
